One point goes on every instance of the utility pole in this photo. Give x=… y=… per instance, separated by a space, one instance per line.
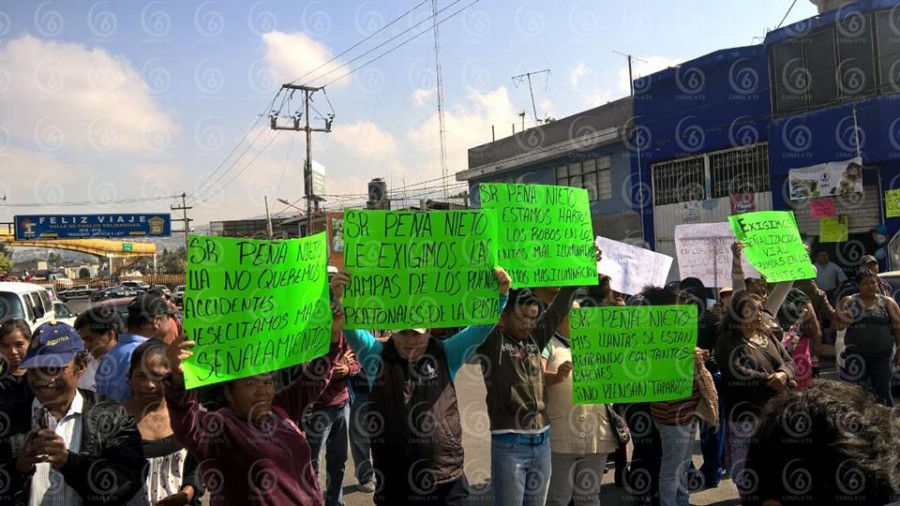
x=528 y=75
x=268 y=218
x=185 y=220
x=307 y=168
x=630 y=69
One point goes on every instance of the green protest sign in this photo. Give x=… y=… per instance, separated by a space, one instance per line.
x=546 y=238
x=772 y=245
x=632 y=353
x=254 y=306
x=411 y=269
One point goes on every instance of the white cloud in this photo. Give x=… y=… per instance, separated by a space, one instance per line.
x=421 y=96
x=365 y=139
x=577 y=73
x=63 y=96
x=294 y=56
x=467 y=125
x=599 y=98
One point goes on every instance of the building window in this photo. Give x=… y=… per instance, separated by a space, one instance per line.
x=858 y=55
x=741 y=170
x=677 y=181
x=888 y=27
x=731 y=171
x=592 y=174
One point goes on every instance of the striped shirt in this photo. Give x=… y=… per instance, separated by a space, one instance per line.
x=677 y=412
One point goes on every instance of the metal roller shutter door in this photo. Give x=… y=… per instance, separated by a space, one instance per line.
x=864 y=213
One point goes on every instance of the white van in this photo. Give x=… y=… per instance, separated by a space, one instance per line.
x=26 y=301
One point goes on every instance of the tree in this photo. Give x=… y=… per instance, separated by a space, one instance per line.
x=173 y=262
x=6 y=262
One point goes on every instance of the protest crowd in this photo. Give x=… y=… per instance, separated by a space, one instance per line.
x=165 y=408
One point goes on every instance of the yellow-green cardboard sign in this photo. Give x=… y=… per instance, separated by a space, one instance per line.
x=835 y=229
x=772 y=245
x=632 y=353
x=546 y=237
x=892 y=203
x=412 y=269
x=254 y=306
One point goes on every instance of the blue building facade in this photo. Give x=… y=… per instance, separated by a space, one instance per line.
x=730 y=126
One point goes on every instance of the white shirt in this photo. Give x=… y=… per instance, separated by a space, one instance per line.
x=47 y=485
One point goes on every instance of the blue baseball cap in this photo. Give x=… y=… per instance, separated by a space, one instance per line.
x=52 y=345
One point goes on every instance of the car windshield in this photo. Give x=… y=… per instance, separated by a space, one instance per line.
x=10 y=306
x=62 y=311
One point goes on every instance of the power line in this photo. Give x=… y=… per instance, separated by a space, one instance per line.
x=354 y=46
x=407 y=41
x=237 y=144
x=379 y=46
x=260 y=152
x=201 y=191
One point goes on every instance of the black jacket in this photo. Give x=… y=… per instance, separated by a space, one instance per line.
x=109 y=468
x=513 y=372
x=421 y=442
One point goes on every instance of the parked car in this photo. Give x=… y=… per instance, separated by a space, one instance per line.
x=113 y=292
x=27 y=301
x=162 y=288
x=178 y=298
x=63 y=313
x=120 y=305
x=76 y=292
x=138 y=286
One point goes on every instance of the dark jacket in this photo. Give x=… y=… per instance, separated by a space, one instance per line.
x=422 y=433
x=745 y=372
x=109 y=467
x=243 y=463
x=513 y=372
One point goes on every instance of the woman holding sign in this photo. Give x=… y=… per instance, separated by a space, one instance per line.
x=581 y=436
x=418 y=450
x=252 y=450
x=755 y=368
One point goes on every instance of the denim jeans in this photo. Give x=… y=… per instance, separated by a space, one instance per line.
x=328 y=427
x=677 y=446
x=520 y=472
x=872 y=373
x=576 y=477
x=360 y=447
x=712 y=442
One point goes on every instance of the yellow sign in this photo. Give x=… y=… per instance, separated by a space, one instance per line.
x=834 y=229
x=892 y=203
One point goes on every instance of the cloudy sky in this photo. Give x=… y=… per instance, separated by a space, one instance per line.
x=116 y=106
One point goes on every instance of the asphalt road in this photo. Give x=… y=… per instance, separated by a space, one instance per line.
x=477 y=444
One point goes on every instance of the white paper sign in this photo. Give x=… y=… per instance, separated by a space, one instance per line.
x=704 y=252
x=630 y=268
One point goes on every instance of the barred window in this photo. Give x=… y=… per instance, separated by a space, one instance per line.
x=592 y=174
x=677 y=181
x=741 y=170
x=732 y=171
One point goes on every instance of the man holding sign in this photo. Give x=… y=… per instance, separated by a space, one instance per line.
x=514 y=377
x=418 y=448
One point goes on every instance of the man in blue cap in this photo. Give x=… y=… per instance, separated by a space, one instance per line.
x=64 y=445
